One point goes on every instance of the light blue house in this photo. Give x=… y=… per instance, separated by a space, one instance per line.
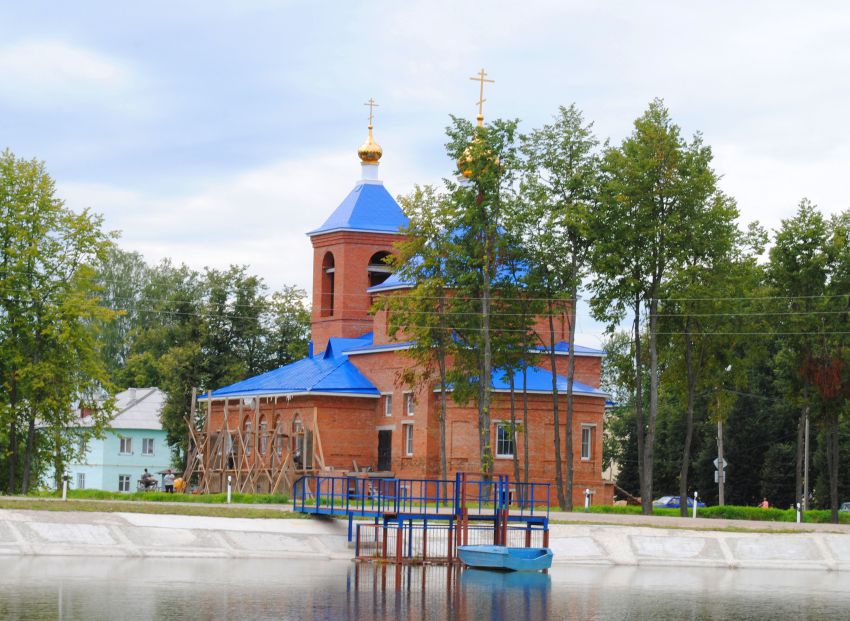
x=134 y=441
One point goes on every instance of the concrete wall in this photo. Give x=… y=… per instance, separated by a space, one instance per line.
x=140 y=535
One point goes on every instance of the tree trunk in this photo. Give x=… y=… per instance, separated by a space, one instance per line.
x=441 y=364
x=513 y=427
x=798 y=466
x=832 y=459
x=556 y=415
x=646 y=501
x=571 y=372
x=525 y=421
x=28 y=455
x=487 y=362
x=649 y=450
x=689 y=420
x=11 y=482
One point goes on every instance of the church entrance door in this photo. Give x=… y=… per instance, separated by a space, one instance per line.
x=385 y=453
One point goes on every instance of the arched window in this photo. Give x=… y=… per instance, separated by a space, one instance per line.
x=298 y=442
x=246 y=427
x=263 y=430
x=278 y=437
x=327 y=295
x=378 y=269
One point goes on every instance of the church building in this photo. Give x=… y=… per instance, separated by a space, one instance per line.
x=345 y=409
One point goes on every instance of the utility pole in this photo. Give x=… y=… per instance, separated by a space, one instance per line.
x=721 y=475
x=806 y=461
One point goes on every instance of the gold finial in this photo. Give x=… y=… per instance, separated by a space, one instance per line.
x=370 y=151
x=481 y=78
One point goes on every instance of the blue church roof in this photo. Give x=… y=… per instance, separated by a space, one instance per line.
x=540 y=380
x=368 y=207
x=327 y=372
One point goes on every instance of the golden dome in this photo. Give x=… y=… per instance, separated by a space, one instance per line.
x=370 y=151
x=464 y=163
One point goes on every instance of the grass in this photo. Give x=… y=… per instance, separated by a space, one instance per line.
x=96 y=494
x=110 y=506
x=730 y=512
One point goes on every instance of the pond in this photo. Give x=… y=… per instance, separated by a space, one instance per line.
x=101 y=588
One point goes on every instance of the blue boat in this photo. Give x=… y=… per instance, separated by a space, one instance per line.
x=502 y=557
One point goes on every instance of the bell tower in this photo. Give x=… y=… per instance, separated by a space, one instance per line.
x=349 y=251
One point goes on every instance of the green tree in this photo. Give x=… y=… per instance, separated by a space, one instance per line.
x=560 y=188
x=656 y=186
x=49 y=315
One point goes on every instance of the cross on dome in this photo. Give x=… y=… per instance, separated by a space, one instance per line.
x=481 y=78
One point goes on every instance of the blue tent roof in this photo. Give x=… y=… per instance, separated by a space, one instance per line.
x=327 y=372
x=368 y=207
x=540 y=380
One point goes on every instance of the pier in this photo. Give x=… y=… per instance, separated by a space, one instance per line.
x=424 y=520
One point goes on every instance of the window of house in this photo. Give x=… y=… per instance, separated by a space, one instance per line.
x=81 y=480
x=408 y=440
x=147 y=446
x=83 y=447
x=586 y=442
x=123 y=482
x=408 y=404
x=126 y=446
x=504 y=440
x=388 y=405
x=248 y=438
x=278 y=442
x=263 y=429
x=326 y=308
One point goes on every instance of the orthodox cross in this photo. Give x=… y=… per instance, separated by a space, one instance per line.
x=481 y=78
x=371 y=103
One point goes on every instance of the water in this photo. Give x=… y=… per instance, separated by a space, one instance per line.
x=90 y=589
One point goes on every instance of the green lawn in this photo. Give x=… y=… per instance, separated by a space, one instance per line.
x=111 y=506
x=96 y=494
x=729 y=512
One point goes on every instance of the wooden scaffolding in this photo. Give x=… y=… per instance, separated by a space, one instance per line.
x=262 y=448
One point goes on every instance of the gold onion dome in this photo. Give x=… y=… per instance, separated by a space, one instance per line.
x=370 y=151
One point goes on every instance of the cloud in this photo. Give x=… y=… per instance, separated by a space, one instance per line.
x=47 y=74
x=256 y=217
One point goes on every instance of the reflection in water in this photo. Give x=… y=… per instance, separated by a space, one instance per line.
x=36 y=588
x=383 y=591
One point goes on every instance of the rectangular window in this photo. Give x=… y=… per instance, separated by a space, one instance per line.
x=408 y=440
x=504 y=440
x=83 y=448
x=408 y=404
x=147 y=446
x=126 y=446
x=388 y=405
x=586 y=442
x=81 y=480
x=123 y=482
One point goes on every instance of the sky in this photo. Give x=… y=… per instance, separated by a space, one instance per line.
x=218 y=133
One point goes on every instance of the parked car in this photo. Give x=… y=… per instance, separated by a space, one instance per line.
x=673 y=502
x=845 y=506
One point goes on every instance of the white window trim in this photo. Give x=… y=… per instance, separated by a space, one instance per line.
x=121 y=476
x=407 y=428
x=505 y=424
x=121 y=440
x=388 y=404
x=590 y=428
x=409 y=404
x=81 y=478
x=152 y=443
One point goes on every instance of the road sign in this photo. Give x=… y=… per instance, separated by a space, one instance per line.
x=718 y=462
x=718 y=474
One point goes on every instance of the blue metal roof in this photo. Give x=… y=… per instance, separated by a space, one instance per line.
x=327 y=372
x=562 y=347
x=540 y=380
x=368 y=207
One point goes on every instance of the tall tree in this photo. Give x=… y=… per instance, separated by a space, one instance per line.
x=560 y=188
x=49 y=312
x=655 y=186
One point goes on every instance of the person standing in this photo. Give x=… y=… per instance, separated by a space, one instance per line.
x=764 y=504
x=168 y=481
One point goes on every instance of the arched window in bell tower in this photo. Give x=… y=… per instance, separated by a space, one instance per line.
x=327 y=299
x=378 y=269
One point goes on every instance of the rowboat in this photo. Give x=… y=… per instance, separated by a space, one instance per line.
x=502 y=557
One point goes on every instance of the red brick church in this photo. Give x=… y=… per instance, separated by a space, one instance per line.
x=344 y=408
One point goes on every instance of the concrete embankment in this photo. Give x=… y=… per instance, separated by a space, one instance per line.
x=43 y=533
